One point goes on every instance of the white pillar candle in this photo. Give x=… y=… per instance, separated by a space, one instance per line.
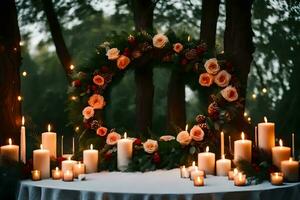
x=290 y=170
x=266 y=135
x=10 y=151
x=206 y=161
x=280 y=153
x=90 y=159
x=49 y=141
x=41 y=161
x=78 y=169
x=124 y=152
x=23 y=141
x=67 y=164
x=222 y=143
x=223 y=166
x=242 y=149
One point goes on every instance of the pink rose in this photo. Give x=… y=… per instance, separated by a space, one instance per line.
x=230 y=93
x=206 y=79
x=113 y=54
x=150 y=146
x=98 y=80
x=222 y=79
x=177 y=47
x=112 y=138
x=167 y=138
x=183 y=138
x=197 y=133
x=96 y=101
x=88 y=112
x=122 y=62
x=212 y=66
x=160 y=40
x=101 y=131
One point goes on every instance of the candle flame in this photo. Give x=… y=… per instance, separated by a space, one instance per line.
x=189 y=38
x=72 y=67
x=183 y=167
x=193 y=164
x=276 y=174
x=198 y=178
x=49 y=127
x=240 y=176
x=125 y=135
x=223 y=156
x=23 y=120
x=207 y=149
x=69 y=157
x=235 y=171
x=186 y=127
x=41 y=146
x=265 y=119
x=291 y=159
x=243 y=136
x=9 y=141
x=56 y=168
x=280 y=143
x=91 y=146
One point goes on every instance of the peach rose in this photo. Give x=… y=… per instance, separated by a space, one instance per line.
x=101 y=131
x=98 y=80
x=212 y=66
x=222 y=78
x=113 y=54
x=150 y=146
x=167 y=138
x=206 y=79
x=122 y=62
x=197 y=133
x=177 y=47
x=96 y=101
x=160 y=40
x=112 y=138
x=88 y=112
x=230 y=93
x=183 y=138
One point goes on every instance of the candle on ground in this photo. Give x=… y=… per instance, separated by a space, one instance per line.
x=199 y=181
x=36 y=175
x=232 y=174
x=266 y=135
x=78 y=169
x=290 y=170
x=10 y=151
x=49 y=141
x=280 y=153
x=41 y=161
x=124 y=152
x=206 y=161
x=242 y=149
x=90 y=159
x=56 y=173
x=222 y=143
x=67 y=164
x=23 y=141
x=184 y=172
x=68 y=175
x=240 y=179
x=276 y=178
x=223 y=166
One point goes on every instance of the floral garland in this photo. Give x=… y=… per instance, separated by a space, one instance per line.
x=125 y=52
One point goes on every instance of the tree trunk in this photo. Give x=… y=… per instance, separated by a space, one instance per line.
x=56 y=33
x=10 y=61
x=209 y=19
x=143 y=20
x=238 y=44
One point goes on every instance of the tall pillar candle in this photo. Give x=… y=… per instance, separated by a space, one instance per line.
x=242 y=149
x=67 y=164
x=290 y=170
x=23 y=141
x=90 y=159
x=124 y=152
x=223 y=166
x=222 y=143
x=266 y=135
x=49 y=141
x=206 y=161
x=41 y=161
x=10 y=151
x=280 y=153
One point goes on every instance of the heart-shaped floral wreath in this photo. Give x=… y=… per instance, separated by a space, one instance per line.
x=130 y=51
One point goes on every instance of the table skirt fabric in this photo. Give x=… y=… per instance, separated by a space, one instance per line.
x=157 y=185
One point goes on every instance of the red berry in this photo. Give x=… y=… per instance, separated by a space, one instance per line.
x=137 y=141
x=156 y=158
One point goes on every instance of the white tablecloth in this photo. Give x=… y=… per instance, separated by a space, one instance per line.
x=151 y=185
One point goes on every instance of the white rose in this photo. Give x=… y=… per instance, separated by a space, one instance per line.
x=184 y=138
x=150 y=146
x=160 y=40
x=113 y=54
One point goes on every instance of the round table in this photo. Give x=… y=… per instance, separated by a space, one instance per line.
x=158 y=185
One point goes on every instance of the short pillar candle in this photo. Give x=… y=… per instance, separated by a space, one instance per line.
x=280 y=153
x=206 y=162
x=41 y=161
x=49 y=141
x=223 y=166
x=266 y=135
x=90 y=159
x=290 y=170
x=242 y=149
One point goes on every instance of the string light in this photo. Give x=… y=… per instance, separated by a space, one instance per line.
x=20 y=98
x=72 y=67
x=73 y=98
x=21 y=43
x=264 y=90
x=189 y=38
x=24 y=73
x=245 y=114
x=77 y=128
x=249 y=119
x=253 y=96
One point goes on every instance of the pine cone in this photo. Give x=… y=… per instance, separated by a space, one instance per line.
x=131 y=40
x=213 y=110
x=146 y=47
x=95 y=124
x=204 y=127
x=191 y=54
x=200 y=119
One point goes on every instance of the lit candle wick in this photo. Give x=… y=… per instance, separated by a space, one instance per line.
x=243 y=136
x=265 y=119
x=41 y=146
x=125 y=135
x=280 y=143
x=207 y=149
x=91 y=146
x=9 y=141
x=49 y=127
x=23 y=121
x=223 y=156
x=186 y=127
x=193 y=164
